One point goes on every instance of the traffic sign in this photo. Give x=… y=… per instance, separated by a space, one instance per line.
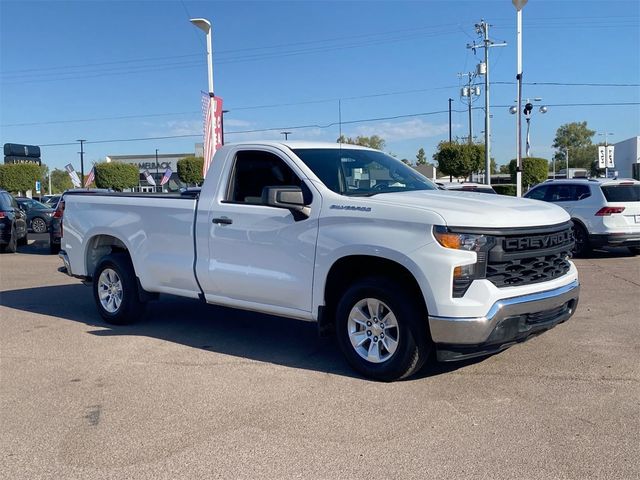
x=37 y=186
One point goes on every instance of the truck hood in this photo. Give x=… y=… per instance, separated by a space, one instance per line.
x=468 y=209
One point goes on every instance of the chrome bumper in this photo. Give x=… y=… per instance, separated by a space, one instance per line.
x=508 y=321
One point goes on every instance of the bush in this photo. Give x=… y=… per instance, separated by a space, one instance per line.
x=505 y=189
x=534 y=171
x=190 y=170
x=19 y=177
x=117 y=176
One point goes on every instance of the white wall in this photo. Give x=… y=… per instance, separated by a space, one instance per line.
x=626 y=153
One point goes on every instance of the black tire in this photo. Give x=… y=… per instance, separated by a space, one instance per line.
x=582 y=246
x=413 y=342
x=54 y=248
x=38 y=225
x=23 y=240
x=13 y=242
x=120 y=303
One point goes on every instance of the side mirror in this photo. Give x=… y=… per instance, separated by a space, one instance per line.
x=287 y=197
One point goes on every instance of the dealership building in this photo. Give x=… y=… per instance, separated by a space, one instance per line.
x=156 y=165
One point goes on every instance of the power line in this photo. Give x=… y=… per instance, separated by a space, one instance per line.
x=115 y=62
x=310 y=102
x=331 y=124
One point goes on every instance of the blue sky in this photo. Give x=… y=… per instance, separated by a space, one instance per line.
x=107 y=70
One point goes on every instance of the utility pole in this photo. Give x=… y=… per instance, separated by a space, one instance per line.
x=286 y=135
x=81 y=152
x=469 y=91
x=450 y=100
x=483 y=69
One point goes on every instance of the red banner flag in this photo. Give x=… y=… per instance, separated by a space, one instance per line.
x=212 y=110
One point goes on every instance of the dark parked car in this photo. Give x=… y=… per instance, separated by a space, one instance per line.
x=38 y=214
x=13 y=223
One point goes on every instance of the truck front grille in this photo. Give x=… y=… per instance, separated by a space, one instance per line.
x=524 y=271
x=523 y=257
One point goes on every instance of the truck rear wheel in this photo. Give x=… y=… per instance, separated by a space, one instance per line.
x=115 y=290
x=381 y=330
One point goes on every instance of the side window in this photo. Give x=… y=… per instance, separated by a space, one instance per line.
x=582 y=192
x=560 y=193
x=254 y=170
x=5 y=202
x=14 y=204
x=538 y=193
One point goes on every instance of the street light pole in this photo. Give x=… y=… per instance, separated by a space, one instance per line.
x=81 y=162
x=519 y=4
x=450 y=100
x=286 y=135
x=157 y=172
x=204 y=25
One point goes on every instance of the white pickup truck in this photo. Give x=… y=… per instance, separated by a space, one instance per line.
x=345 y=236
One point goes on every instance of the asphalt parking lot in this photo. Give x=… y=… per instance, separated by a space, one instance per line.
x=196 y=391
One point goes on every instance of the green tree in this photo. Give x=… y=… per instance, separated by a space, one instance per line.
x=60 y=181
x=190 y=170
x=576 y=137
x=421 y=157
x=19 y=177
x=534 y=170
x=373 y=141
x=459 y=159
x=116 y=176
x=504 y=169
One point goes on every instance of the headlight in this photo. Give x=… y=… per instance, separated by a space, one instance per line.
x=464 y=275
x=459 y=241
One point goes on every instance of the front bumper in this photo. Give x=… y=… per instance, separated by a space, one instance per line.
x=508 y=321
x=615 y=240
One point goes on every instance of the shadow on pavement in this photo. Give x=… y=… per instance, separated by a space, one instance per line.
x=260 y=337
x=37 y=244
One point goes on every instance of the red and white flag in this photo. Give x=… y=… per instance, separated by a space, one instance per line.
x=212 y=111
x=90 y=178
x=166 y=176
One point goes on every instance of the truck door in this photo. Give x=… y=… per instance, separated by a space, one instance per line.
x=260 y=254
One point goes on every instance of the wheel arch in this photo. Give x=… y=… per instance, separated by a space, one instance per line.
x=98 y=247
x=347 y=270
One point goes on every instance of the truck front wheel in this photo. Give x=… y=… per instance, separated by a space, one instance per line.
x=381 y=330
x=115 y=290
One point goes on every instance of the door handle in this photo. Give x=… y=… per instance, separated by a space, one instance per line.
x=222 y=221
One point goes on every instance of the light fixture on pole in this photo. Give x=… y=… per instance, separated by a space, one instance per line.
x=519 y=4
x=204 y=25
x=528 y=111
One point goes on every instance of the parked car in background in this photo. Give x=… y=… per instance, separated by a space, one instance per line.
x=38 y=214
x=13 y=223
x=50 y=200
x=466 y=187
x=605 y=212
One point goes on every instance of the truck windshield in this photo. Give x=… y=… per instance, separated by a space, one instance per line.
x=355 y=172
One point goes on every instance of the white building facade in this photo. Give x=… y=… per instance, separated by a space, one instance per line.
x=627 y=158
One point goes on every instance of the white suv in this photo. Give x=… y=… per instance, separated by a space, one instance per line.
x=605 y=212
